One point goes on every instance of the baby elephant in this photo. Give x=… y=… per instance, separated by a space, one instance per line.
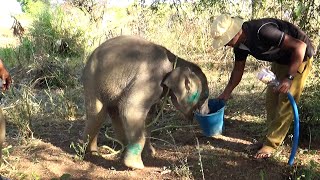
x=124 y=78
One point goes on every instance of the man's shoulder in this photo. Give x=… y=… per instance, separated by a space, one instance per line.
x=265 y=21
x=270 y=21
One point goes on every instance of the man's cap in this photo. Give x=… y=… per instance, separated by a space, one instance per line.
x=224 y=28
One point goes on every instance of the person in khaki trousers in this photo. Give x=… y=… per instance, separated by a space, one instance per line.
x=289 y=50
x=6 y=81
x=279 y=114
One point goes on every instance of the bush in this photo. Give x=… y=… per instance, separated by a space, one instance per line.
x=8 y=56
x=309 y=104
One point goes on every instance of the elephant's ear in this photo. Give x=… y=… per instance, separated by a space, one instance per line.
x=186 y=87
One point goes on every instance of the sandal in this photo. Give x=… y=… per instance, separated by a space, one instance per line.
x=264 y=153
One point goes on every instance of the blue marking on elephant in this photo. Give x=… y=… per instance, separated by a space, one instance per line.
x=134 y=149
x=193 y=97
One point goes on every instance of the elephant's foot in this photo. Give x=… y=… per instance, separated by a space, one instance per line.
x=89 y=154
x=92 y=149
x=92 y=153
x=132 y=158
x=133 y=161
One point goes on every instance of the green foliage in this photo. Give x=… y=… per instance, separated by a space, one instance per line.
x=66 y=104
x=304 y=13
x=309 y=105
x=34 y=7
x=298 y=10
x=53 y=36
x=262 y=174
x=24 y=4
x=63 y=177
x=20 y=55
x=6 y=151
x=308 y=173
x=43 y=33
x=54 y=32
x=25 y=51
x=235 y=8
x=23 y=111
x=80 y=149
x=70 y=32
x=183 y=171
x=8 y=56
x=52 y=73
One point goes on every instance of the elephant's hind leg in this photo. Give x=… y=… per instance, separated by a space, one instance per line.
x=117 y=125
x=96 y=114
x=148 y=149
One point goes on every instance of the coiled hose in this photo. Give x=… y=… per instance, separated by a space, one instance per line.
x=295 y=129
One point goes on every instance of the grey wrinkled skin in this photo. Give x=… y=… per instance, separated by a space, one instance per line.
x=124 y=78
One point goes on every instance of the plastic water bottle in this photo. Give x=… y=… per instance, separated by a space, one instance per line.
x=268 y=77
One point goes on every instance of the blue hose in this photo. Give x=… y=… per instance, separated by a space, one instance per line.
x=296 y=129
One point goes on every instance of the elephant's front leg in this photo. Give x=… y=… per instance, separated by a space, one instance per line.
x=134 y=110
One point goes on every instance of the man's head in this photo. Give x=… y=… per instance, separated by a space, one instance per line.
x=226 y=30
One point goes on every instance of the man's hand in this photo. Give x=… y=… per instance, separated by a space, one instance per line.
x=224 y=96
x=5 y=77
x=284 y=86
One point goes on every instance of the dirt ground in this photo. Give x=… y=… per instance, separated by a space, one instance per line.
x=182 y=153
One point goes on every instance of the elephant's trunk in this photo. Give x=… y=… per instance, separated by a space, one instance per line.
x=204 y=108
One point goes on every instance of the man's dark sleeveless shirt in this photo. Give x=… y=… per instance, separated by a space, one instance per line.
x=264 y=38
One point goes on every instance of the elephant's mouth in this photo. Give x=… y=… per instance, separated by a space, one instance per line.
x=203 y=108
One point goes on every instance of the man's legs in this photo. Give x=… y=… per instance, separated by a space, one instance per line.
x=279 y=110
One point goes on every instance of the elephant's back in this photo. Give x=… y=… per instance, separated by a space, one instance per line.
x=119 y=61
x=125 y=52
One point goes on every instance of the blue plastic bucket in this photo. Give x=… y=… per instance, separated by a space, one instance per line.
x=212 y=123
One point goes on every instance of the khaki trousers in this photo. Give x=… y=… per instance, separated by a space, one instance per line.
x=279 y=109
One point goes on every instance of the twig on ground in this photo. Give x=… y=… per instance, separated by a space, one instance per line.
x=113 y=152
x=172 y=126
x=200 y=160
x=161 y=140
